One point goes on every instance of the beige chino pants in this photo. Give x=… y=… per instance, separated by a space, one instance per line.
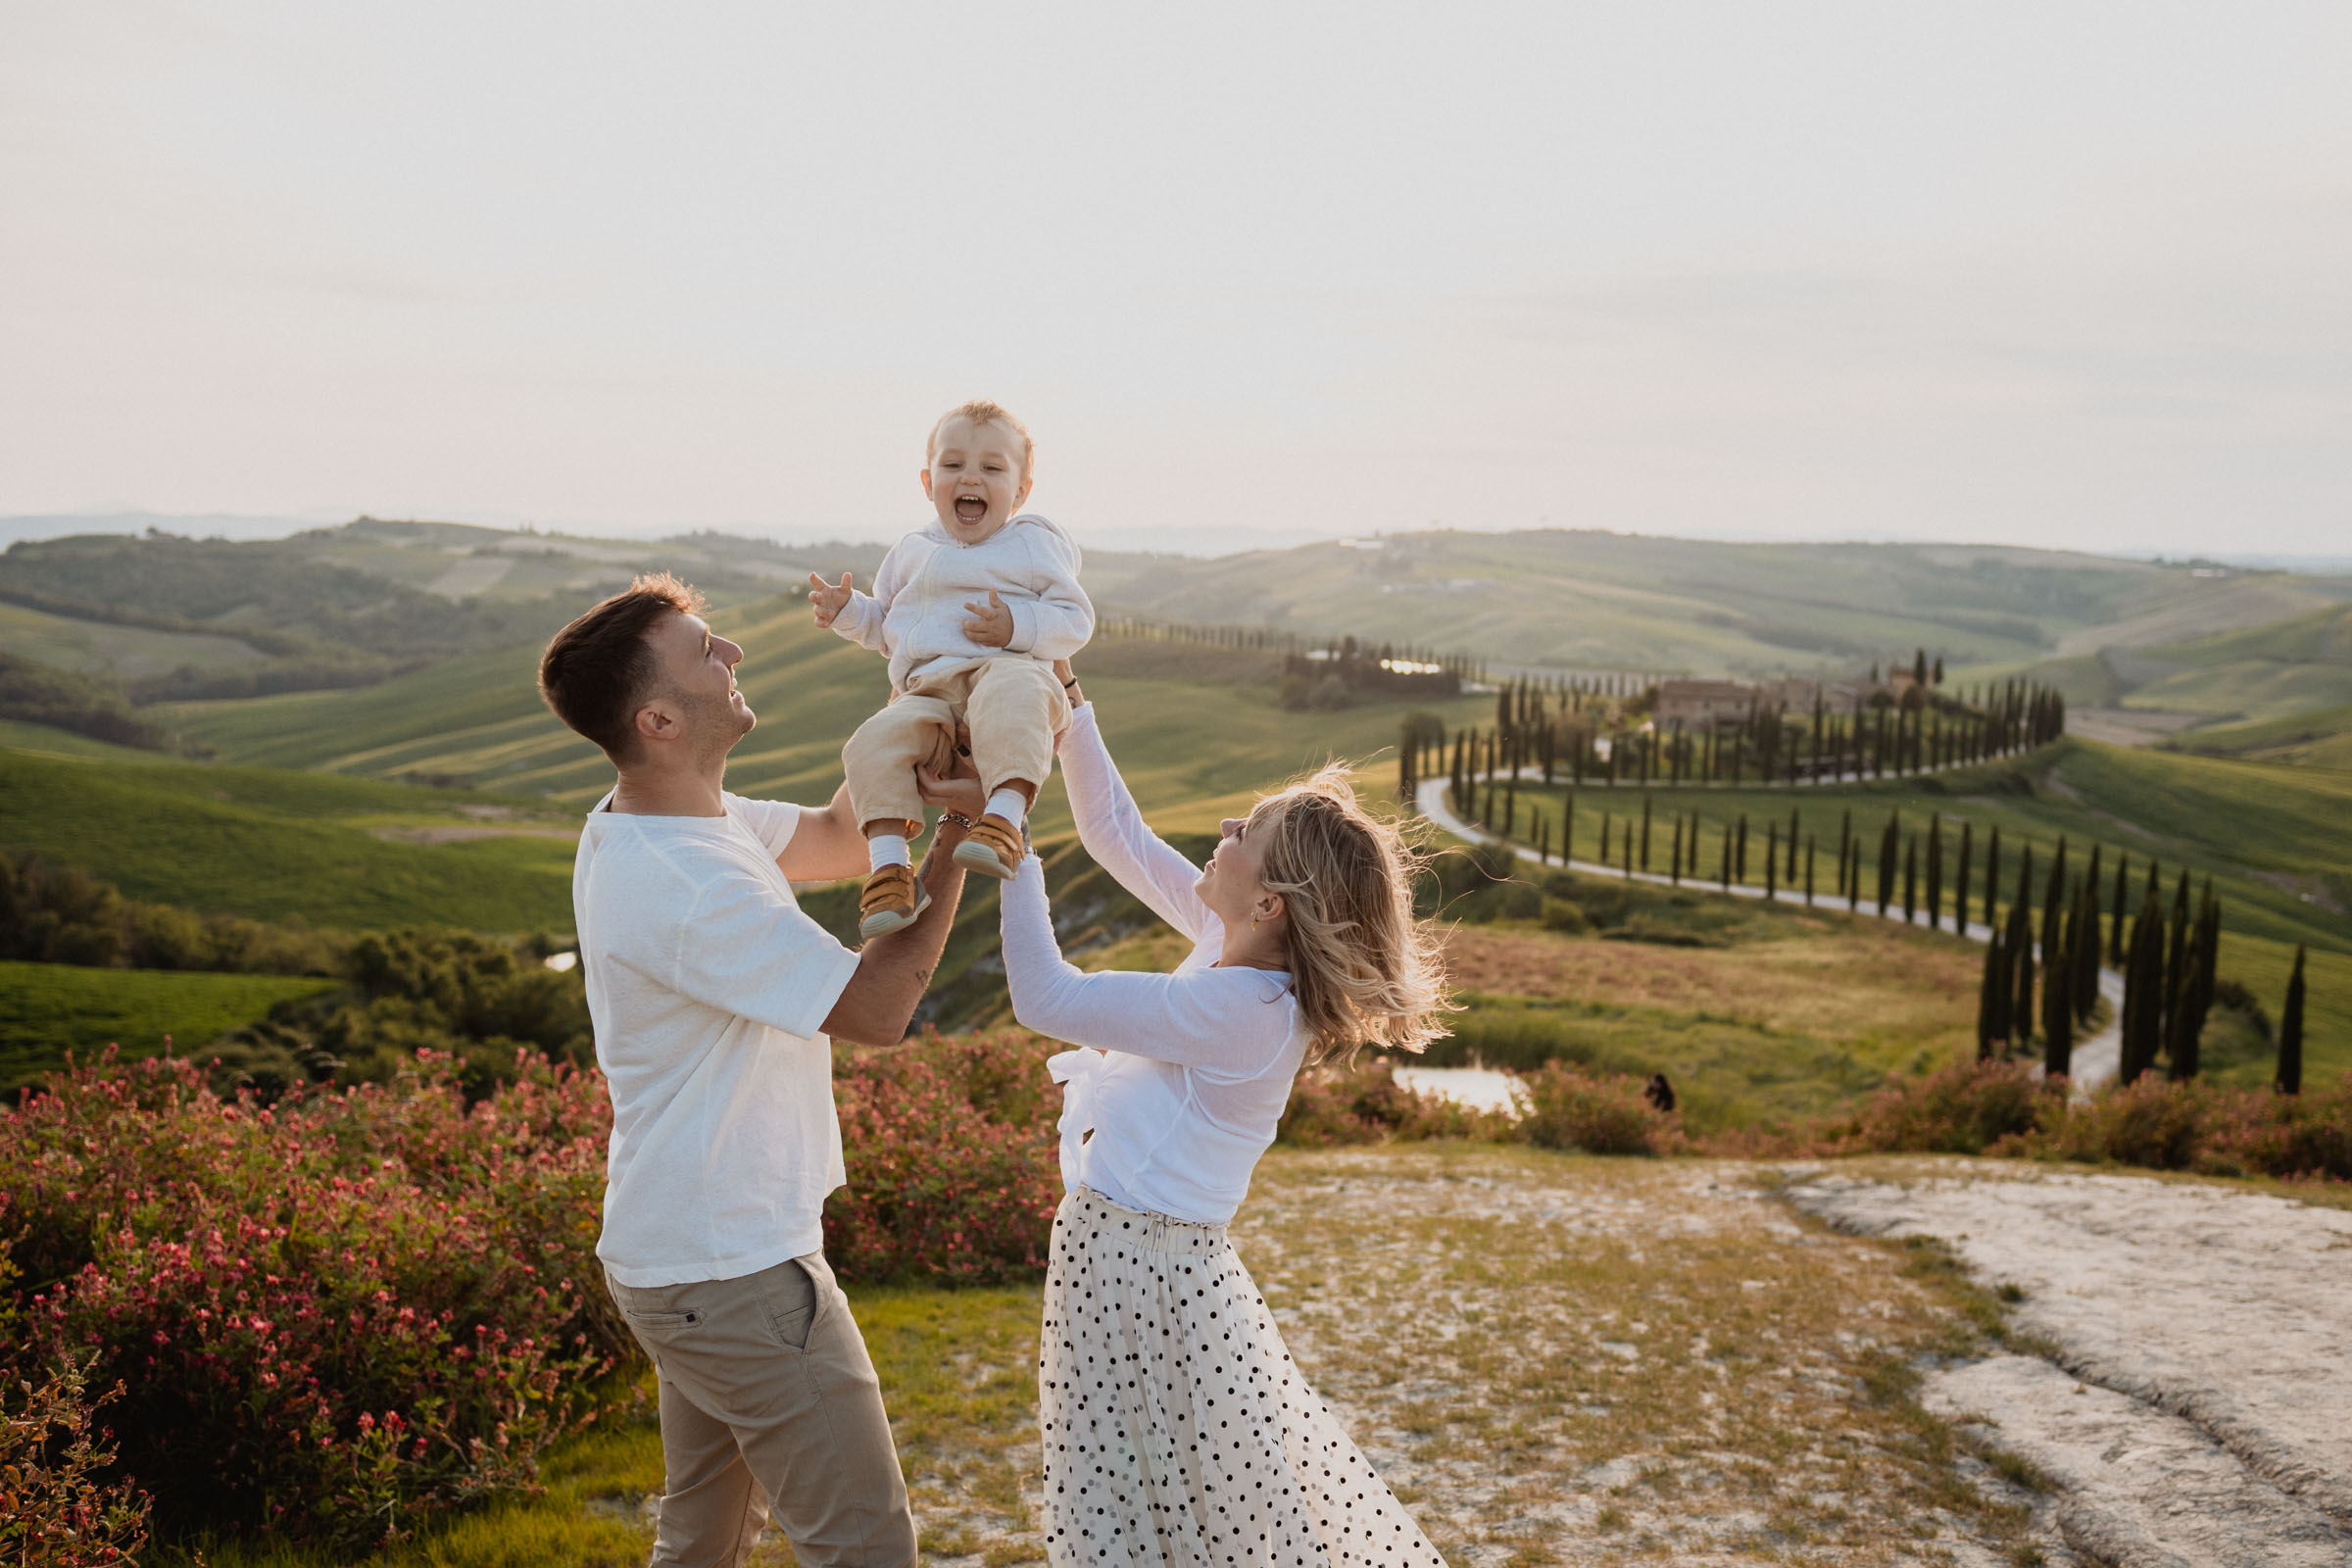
x=770 y=1404
x=1013 y=705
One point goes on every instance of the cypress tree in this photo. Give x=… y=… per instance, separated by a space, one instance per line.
x=1772 y=861
x=1934 y=869
x=1992 y=995
x=1846 y=842
x=1890 y=841
x=1791 y=841
x=1604 y=841
x=2053 y=910
x=1568 y=827
x=2176 y=964
x=1960 y=877
x=2025 y=877
x=1808 y=871
x=1993 y=876
x=1628 y=836
x=2123 y=892
x=1674 y=872
x=1511 y=801
x=1739 y=854
x=2057 y=1020
x=2289 y=1079
x=1727 y=858
x=1645 y=830
x=2090 y=885
x=2083 y=952
x=2143 y=991
x=2020 y=973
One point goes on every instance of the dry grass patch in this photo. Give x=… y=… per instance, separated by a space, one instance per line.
x=1582 y=1361
x=1848 y=981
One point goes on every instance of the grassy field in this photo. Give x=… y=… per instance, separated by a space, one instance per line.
x=124 y=652
x=1793 y=1018
x=2320 y=738
x=2271 y=836
x=280 y=846
x=49 y=1008
x=1186 y=746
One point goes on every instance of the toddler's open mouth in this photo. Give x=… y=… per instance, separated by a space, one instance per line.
x=970 y=509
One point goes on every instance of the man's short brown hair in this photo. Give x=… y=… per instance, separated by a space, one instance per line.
x=595 y=671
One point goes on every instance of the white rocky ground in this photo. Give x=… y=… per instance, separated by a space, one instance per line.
x=2194 y=1404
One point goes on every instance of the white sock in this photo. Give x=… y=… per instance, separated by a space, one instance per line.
x=888 y=849
x=1007 y=803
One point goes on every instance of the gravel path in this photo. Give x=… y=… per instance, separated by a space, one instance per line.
x=2196 y=1403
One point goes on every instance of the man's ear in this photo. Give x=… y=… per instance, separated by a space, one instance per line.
x=657 y=720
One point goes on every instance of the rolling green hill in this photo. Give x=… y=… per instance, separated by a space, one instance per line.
x=47 y=1009
x=2298 y=667
x=280 y=846
x=1192 y=749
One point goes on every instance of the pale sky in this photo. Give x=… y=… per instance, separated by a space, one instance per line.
x=2046 y=273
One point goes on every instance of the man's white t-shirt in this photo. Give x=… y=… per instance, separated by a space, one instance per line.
x=709 y=989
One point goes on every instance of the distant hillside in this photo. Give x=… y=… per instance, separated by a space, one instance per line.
x=1630 y=602
x=180 y=618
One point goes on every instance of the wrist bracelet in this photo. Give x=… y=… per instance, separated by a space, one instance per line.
x=1068 y=684
x=957 y=818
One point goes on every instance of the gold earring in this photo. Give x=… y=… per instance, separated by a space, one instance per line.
x=1254 y=922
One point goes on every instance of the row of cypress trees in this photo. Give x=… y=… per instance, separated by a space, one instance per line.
x=2039 y=977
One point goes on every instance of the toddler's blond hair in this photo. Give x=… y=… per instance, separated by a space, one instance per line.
x=981 y=410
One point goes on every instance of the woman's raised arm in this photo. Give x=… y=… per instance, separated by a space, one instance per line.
x=1114 y=831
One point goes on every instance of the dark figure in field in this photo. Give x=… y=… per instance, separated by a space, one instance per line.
x=1659 y=1092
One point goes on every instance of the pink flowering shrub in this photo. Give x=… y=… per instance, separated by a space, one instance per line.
x=1961 y=1109
x=2199 y=1127
x=1598 y=1114
x=56 y=1511
x=331 y=1316
x=950 y=1150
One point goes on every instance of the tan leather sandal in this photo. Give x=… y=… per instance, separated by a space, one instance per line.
x=892 y=900
x=993 y=848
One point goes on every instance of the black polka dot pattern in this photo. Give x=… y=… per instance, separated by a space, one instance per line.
x=1177 y=1430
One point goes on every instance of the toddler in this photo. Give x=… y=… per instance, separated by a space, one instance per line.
x=972 y=611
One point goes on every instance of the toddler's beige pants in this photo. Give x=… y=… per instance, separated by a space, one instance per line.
x=1012 y=704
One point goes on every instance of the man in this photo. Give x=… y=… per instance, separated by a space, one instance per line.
x=714 y=997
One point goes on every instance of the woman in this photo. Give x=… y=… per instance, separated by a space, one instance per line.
x=1177 y=1430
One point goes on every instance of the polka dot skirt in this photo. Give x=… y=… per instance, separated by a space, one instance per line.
x=1177 y=1430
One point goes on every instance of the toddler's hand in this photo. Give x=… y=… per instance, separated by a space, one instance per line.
x=991 y=625
x=826 y=599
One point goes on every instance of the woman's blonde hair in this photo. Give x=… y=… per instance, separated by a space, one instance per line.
x=1365 y=969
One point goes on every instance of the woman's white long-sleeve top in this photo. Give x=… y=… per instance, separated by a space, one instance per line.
x=1201 y=1060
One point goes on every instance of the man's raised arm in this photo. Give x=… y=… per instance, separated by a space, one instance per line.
x=827 y=844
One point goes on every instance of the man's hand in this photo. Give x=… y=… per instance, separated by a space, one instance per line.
x=958 y=788
x=991 y=625
x=829 y=600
